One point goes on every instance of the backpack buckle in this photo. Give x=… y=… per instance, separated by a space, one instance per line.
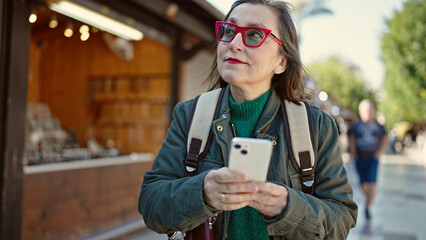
x=307 y=175
x=191 y=162
x=308 y=183
x=307 y=179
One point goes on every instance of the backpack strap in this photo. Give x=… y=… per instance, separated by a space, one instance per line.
x=200 y=136
x=300 y=141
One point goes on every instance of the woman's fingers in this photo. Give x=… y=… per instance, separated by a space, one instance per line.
x=227 y=190
x=245 y=187
x=233 y=201
x=235 y=198
x=271 y=188
x=269 y=211
x=270 y=200
x=224 y=175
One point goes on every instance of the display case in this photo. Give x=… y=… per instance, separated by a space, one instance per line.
x=128 y=112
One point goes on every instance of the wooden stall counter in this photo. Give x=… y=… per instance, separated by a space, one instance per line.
x=73 y=199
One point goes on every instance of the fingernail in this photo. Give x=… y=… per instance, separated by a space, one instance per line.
x=253 y=187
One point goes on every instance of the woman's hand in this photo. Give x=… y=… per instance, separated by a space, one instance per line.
x=271 y=199
x=228 y=190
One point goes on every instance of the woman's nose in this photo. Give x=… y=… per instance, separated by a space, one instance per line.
x=237 y=43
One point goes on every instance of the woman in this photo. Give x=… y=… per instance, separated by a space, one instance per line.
x=259 y=65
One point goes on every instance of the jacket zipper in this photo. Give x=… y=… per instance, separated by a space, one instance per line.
x=234 y=133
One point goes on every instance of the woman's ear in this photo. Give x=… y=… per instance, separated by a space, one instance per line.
x=282 y=65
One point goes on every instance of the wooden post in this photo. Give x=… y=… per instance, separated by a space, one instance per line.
x=175 y=73
x=14 y=51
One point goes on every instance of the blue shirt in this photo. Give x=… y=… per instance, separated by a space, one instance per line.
x=368 y=137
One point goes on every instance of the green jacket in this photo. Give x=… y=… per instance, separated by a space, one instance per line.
x=170 y=202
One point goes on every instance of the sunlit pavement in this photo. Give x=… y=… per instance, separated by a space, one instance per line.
x=399 y=210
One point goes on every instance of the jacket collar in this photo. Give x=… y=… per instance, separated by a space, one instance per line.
x=269 y=111
x=225 y=108
x=267 y=116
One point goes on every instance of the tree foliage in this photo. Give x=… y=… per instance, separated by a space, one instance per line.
x=404 y=55
x=342 y=81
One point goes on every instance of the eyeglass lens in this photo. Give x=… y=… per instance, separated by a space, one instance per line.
x=252 y=37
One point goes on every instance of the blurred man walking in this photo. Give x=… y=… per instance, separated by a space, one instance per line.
x=367 y=141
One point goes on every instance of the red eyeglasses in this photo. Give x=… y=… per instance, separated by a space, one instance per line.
x=252 y=36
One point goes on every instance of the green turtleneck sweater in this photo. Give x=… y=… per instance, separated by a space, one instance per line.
x=246 y=223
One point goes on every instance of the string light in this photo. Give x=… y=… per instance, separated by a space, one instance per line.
x=53 y=23
x=84 y=29
x=84 y=36
x=68 y=30
x=32 y=18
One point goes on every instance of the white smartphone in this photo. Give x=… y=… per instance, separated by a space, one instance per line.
x=250 y=156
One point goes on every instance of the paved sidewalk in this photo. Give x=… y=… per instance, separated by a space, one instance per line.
x=399 y=211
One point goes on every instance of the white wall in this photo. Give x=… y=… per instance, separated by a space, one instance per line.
x=195 y=72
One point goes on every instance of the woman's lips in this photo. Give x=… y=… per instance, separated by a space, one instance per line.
x=234 y=61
